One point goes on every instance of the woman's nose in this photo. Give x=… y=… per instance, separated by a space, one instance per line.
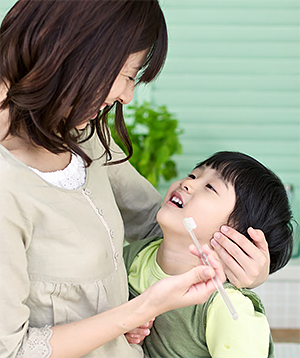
x=127 y=95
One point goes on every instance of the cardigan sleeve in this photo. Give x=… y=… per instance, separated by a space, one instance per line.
x=17 y=339
x=137 y=199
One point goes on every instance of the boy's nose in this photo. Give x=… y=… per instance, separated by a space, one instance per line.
x=185 y=185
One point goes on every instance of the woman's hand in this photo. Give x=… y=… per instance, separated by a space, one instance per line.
x=137 y=335
x=190 y=288
x=246 y=263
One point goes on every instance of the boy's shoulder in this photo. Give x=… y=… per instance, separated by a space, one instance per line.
x=241 y=292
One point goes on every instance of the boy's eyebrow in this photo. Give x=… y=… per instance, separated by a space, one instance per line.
x=219 y=176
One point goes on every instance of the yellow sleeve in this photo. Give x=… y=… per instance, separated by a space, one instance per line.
x=246 y=337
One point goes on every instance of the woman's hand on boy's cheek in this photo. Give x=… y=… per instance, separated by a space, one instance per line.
x=246 y=263
x=137 y=335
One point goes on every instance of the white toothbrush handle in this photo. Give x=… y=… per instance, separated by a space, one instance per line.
x=216 y=280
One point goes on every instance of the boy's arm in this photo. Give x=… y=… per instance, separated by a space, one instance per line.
x=246 y=337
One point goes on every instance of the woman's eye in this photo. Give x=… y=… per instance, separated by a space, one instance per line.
x=192 y=176
x=210 y=187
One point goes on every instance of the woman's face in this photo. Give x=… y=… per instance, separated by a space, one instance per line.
x=122 y=89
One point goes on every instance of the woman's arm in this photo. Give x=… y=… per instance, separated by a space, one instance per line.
x=77 y=339
x=246 y=263
x=137 y=200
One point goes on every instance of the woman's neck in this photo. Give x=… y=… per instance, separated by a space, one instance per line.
x=29 y=154
x=36 y=157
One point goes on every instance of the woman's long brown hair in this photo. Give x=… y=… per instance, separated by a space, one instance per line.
x=59 y=59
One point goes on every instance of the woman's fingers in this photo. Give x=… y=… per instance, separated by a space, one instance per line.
x=190 y=288
x=262 y=259
x=246 y=263
x=212 y=257
x=206 y=249
x=259 y=239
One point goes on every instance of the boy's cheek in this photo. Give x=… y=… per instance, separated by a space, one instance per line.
x=173 y=187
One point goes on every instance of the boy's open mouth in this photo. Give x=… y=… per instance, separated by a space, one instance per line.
x=176 y=200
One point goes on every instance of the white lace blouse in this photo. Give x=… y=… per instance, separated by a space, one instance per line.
x=72 y=177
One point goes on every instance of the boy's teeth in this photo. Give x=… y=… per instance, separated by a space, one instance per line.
x=177 y=201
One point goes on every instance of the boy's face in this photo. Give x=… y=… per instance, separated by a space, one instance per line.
x=203 y=195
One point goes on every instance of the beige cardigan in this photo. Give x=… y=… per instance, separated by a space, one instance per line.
x=61 y=250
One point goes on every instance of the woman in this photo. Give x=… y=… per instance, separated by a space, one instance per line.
x=66 y=188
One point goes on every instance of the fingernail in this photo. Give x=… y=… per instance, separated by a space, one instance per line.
x=224 y=228
x=217 y=235
x=214 y=243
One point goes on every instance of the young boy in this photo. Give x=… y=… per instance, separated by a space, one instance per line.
x=229 y=188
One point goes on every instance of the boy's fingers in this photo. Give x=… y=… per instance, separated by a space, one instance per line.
x=132 y=339
x=148 y=324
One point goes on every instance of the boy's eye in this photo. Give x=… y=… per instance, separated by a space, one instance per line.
x=192 y=176
x=210 y=187
x=131 y=79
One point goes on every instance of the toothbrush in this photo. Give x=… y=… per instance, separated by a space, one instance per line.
x=190 y=225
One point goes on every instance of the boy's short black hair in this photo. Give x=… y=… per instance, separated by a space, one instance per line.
x=261 y=202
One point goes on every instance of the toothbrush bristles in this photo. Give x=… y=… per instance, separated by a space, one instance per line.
x=189 y=224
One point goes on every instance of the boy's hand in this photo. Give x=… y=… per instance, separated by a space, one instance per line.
x=137 y=335
x=246 y=263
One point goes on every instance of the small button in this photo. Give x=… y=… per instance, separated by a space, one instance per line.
x=112 y=233
x=100 y=211
x=87 y=191
x=116 y=255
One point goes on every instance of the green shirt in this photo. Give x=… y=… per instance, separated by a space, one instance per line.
x=200 y=331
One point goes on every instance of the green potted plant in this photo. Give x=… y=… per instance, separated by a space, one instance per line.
x=154 y=134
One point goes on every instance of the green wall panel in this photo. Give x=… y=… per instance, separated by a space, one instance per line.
x=5 y=5
x=232 y=79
